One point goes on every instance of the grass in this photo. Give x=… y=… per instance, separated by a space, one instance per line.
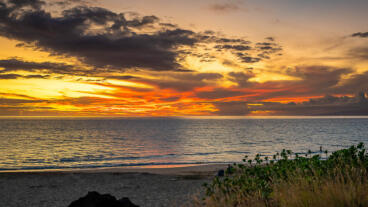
x=291 y=180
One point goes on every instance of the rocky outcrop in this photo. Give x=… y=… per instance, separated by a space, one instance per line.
x=94 y=199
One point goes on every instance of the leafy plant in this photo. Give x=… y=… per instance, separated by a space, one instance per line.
x=291 y=177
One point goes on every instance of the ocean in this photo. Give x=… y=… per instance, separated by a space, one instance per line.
x=38 y=143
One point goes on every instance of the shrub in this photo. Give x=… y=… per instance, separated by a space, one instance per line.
x=289 y=179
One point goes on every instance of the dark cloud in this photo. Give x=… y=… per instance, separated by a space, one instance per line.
x=248 y=54
x=230 y=40
x=121 y=77
x=114 y=45
x=36 y=76
x=9 y=76
x=15 y=64
x=329 y=99
x=177 y=81
x=230 y=63
x=360 y=53
x=105 y=39
x=36 y=4
x=355 y=82
x=9 y=101
x=241 y=78
x=170 y=99
x=321 y=79
x=360 y=34
x=16 y=76
x=327 y=105
x=234 y=108
x=146 y=20
x=68 y=3
x=233 y=47
x=184 y=81
x=267 y=48
x=246 y=58
x=309 y=81
x=29 y=111
x=218 y=93
x=81 y=101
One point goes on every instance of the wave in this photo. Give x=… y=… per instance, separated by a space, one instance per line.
x=97 y=159
x=30 y=168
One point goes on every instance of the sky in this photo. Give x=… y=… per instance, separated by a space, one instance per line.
x=183 y=58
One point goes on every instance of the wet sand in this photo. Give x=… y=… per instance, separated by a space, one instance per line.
x=162 y=186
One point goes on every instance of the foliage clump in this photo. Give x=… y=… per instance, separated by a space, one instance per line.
x=290 y=179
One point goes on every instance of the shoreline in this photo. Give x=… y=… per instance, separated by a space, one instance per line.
x=146 y=187
x=152 y=169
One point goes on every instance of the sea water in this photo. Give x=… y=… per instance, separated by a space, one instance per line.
x=60 y=143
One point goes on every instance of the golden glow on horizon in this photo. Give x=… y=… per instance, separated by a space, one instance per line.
x=261 y=113
x=49 y=88
x=253 y=104
x=263 y=77
x=129 y=84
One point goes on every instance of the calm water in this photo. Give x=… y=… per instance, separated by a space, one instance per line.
x=48 y=143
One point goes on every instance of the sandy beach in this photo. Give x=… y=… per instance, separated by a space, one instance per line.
x=160 y=186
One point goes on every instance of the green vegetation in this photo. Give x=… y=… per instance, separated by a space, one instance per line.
x=289 y=179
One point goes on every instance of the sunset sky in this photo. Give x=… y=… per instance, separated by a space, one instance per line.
x=177 y=58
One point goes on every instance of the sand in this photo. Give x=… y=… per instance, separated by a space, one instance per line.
x=163 y=186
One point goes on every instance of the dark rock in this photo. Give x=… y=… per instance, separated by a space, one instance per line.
x=221 y=173
x=126 y=202
x=94 y=199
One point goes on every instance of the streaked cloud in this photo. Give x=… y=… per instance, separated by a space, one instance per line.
x=360 y=34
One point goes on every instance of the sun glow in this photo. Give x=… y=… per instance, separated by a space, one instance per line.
x=262 y=77
x=48 y=88
x=129 y=84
